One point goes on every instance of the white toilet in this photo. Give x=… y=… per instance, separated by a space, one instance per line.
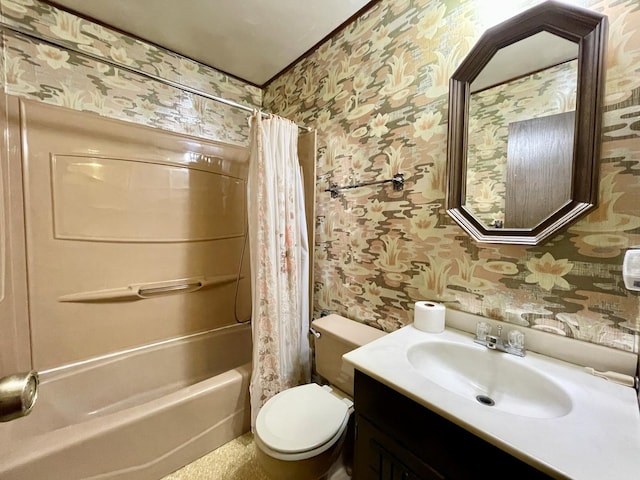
x=302 y=433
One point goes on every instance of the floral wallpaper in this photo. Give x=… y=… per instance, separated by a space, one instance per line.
x=377 y=94
x=37 y=70
x=549 y=92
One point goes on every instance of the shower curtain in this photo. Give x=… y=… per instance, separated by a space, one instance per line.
x=279 y=252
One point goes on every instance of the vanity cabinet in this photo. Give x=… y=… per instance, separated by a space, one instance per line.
x=399 y=439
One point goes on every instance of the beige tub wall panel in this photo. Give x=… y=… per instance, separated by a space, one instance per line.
x=307 y=158
x=243 y=305
x=110 y=206
x=15 y=352
x=108 y=199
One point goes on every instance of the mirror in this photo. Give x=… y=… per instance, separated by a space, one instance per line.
x=524 y=125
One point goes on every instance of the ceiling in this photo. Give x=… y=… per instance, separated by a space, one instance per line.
x=253 y=40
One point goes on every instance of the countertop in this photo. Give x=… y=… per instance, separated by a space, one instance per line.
x=598 y=439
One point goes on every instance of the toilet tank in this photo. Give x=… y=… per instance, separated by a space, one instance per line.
x=339 y=335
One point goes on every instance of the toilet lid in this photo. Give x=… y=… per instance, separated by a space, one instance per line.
x=300 y=419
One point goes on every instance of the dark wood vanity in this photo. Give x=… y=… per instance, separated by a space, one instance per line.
x=399 y=439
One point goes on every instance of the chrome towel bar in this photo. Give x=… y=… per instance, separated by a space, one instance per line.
x=397 y=180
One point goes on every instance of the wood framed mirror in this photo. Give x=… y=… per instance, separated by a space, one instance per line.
x=524 y=125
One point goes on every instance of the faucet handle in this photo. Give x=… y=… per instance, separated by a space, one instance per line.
x=482 y=330
x=516 y=339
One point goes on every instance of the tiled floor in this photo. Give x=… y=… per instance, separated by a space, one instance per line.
x=235 y=460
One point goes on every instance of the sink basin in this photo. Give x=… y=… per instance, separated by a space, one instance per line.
x=491 y=379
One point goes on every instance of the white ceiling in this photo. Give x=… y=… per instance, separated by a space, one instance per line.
x=251 y=39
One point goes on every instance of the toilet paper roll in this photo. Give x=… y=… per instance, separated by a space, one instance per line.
x=429 y=317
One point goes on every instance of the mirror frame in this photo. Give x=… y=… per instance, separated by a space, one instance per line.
x=589 y=30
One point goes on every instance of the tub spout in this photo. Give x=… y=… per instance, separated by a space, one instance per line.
x=18 y=394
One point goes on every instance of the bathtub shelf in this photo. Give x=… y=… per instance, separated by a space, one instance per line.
x=149 y=290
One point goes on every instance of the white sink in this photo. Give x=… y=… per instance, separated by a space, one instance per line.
x=492 y=379
x=549 y=413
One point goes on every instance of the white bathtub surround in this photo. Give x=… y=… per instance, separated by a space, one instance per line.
x=279 y=261
x=594 y=423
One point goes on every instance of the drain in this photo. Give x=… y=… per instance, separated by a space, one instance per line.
x=483 y=399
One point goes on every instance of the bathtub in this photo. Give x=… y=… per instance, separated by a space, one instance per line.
x=139 y=414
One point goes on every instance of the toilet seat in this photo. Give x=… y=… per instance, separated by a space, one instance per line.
x=302 y=422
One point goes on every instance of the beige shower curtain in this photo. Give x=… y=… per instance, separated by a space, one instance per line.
x=279 y=253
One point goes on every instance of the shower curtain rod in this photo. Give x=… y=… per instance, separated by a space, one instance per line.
x=134 y=70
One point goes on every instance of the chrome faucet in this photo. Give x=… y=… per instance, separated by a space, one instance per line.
x=514 y=344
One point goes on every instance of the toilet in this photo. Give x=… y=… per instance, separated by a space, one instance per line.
x=303 y=433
